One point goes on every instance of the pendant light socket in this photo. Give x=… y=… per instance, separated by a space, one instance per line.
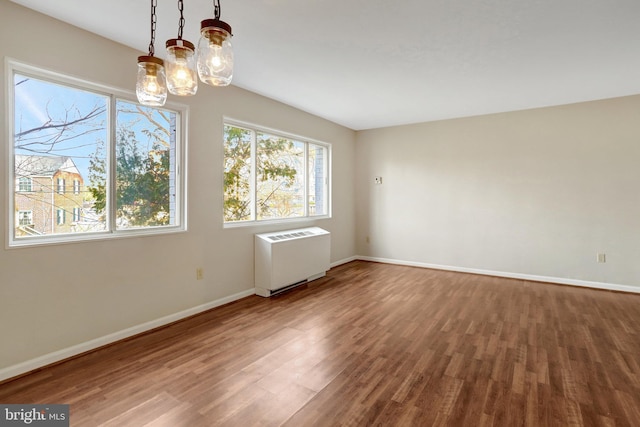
x=215 y=22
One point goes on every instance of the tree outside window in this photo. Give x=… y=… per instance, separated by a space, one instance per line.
x=268 y=176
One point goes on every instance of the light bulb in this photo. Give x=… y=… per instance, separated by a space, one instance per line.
x=150 y=85
x=182 y=71
x=215 y=58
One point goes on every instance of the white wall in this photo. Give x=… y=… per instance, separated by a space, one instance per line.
x=536 y=193
x=56 y=297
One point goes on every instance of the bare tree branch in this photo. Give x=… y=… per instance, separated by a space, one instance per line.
x=164 y=129
x=95 y=112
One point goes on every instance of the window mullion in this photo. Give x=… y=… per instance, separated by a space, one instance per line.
x=305 y=169
x=111 y=166
x=254 y=176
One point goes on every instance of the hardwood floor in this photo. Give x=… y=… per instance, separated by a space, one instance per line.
x=370 y=344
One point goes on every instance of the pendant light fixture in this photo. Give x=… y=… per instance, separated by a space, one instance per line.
x=215 y=53
x=151 y=86
x=182 y=78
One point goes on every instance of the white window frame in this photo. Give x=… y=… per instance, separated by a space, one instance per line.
x=76 y=214
x=253 y=183
x=13 y=67
x=76 y=186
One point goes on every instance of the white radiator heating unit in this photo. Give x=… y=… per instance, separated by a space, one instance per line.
x=285 y=259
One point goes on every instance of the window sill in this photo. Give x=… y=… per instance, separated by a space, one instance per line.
x=260 y=223
x=71 y=238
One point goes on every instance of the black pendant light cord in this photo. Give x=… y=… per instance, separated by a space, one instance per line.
x=181 y=22
x=154 y=3
x=216 y=8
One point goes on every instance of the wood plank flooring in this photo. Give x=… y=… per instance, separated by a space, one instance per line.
x=370 y=344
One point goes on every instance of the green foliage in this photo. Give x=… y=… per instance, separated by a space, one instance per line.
x=237 y=172
x=142 y=182
x=277 y=167
x=97 y=178
x=273 y=166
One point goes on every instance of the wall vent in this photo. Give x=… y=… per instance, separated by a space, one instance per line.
x=292 y=235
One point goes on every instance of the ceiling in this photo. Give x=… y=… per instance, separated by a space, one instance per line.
x=371 y=63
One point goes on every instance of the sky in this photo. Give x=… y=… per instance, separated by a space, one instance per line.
x=39 y=102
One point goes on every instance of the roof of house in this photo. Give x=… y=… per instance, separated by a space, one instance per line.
x=34 y=165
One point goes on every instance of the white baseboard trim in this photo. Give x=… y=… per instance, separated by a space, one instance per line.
x=530 y=277
x=57 y=356
x=344 y=261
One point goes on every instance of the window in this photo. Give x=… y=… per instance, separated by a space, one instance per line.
x=271 y=175
x=60 y=185
x=25 y=218
x=25 y=184
x=124 y=160
x=60 y=215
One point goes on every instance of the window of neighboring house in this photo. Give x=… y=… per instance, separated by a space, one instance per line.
x=60 y=215
x=25 y=217
x=25 y=184
x=129 y=156
x=60 y=185
x=270 y=175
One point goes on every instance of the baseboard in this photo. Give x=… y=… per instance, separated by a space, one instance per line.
x=57 y=356
x=344 y=261
x=530 y=277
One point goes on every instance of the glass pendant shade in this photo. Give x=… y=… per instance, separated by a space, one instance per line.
x=151 y=86
x=215 y=53
x=182 y=78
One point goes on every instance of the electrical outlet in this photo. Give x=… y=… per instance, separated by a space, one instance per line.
x=602 y=258
x=199 y=273
x=378 y=180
